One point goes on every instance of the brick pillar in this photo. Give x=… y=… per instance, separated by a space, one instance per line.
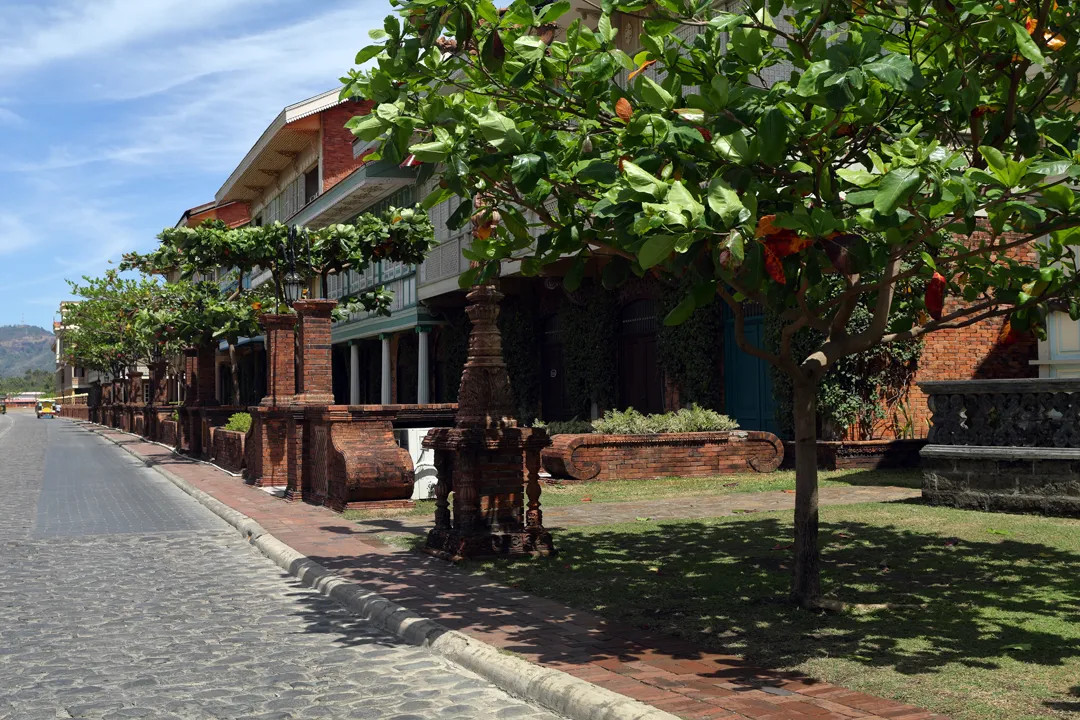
x=315 y=384
x=280 y=332
x=206 y=375
x=190 y=371
x=134 y=387
x=159 y=388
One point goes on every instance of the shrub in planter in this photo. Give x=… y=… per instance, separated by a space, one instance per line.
x=565 y=427
x=241 y=422
x=692 y=419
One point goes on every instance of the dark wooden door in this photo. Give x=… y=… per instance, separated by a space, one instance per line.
x=553 y=382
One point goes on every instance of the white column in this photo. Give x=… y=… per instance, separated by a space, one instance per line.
x=385 y=397
x=423 y=390
x=354 y=374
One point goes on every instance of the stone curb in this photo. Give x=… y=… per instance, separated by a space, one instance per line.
x=554 y=690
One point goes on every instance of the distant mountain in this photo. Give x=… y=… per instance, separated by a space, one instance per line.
x=25 y=347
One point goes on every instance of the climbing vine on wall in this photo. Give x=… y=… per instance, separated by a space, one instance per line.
x=689 y=353
x=521 y=350
x=861 y=395
x=589 y=326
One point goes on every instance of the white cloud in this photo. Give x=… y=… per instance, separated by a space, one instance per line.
x=161 y=100
x=35 y=37
x=15 y=233
x=10 y=117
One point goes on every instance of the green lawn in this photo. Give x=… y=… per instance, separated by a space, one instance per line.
x=620 y=490
x=558 y=494
x=973 y=615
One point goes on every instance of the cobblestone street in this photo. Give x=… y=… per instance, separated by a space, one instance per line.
x=123 y=598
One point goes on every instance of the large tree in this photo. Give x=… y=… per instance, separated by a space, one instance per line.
x=813 y=156
x=187 y=254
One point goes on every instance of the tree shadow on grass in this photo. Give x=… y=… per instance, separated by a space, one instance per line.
x=688 y=588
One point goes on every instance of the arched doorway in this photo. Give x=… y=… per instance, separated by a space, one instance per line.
x=640 y=382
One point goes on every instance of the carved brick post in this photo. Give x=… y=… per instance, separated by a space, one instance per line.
x=157 y=400
x=315 y=381
x=191 y=366
x=486 y=459
x=206 y=371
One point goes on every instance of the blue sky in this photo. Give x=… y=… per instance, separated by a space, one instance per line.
x=117 y=115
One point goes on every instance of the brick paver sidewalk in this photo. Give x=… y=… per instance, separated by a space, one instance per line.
x=663 y=671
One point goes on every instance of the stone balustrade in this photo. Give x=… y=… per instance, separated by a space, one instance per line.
x=1005 y=413
x=1004 y=445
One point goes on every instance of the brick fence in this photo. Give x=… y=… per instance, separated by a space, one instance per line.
x=638 y=457
x=228 y=448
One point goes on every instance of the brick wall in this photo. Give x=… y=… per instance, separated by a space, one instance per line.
x=972 y=353
x=637 y=457
x=337 y=150
x=228 y=449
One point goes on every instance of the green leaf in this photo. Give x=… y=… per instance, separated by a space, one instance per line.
x=927 y=260
x=599 y=171
x=1025 y=44
x=599 y=69
x=772 y=132
x=691 y=115
x=895 y=70
x=497 y=128
x=572 y=279
x=656 y=249
x=655 y=95
x=367 y=53
x=436 y=197
x=643 y=182
x=526 y=170
x=468 y=278
x=896 y=187
x=733 y=148
x=993 y=157
x=553 y=12
x=603 y=27
x=1059 y=197
x=431 y=151
x=681 y=312
x=366 y=127
x=529 y=48
x=680 y=197
x=725 y=202
x=858 y=176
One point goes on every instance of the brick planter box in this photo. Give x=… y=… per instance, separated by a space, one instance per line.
x=861 y=454
x=639 y=457
x=228 y=448
x=170 y=432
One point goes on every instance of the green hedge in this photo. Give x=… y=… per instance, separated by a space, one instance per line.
x=240 y=422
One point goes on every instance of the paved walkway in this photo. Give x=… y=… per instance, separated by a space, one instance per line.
x=663 y=671
x=687 y=507
x=121 y=597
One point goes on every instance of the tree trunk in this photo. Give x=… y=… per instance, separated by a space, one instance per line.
x=235 y=399
x=806 y=588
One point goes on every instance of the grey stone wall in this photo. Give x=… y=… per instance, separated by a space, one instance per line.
x=1003 y=479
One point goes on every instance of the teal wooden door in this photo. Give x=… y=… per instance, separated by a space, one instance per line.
x=748 y=394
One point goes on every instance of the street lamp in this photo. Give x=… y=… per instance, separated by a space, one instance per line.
x=292 y=281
